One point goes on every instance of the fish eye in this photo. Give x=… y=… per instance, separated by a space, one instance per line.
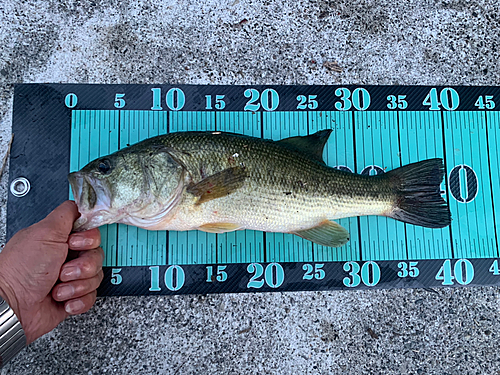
x=104 y=166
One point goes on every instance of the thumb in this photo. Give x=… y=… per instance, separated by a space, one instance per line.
x=60 y=221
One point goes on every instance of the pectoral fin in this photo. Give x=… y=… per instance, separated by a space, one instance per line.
x=327 y=233
x=219 y=184
x=219 y=227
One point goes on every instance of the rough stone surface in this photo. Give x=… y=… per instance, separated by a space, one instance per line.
x=260 y=42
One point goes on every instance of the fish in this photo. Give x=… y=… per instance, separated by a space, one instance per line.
x=220 y=182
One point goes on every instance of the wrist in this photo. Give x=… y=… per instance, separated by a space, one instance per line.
x=8 y=295
x=12 y=337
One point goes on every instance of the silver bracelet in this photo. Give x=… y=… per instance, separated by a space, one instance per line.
x=12 y=338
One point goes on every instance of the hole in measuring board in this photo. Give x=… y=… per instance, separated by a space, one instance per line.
x=20 y=187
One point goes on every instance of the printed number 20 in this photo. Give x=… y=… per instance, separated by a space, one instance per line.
x=274 y=275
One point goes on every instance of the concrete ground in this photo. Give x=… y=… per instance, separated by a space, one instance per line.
x=424 y=42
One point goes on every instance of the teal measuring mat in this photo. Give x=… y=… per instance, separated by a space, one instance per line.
x=375 y=129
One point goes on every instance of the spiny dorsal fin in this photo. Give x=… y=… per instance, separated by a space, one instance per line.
x=312 y=145
x=219 y=184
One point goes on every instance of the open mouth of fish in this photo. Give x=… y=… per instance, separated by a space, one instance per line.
x=91 y=199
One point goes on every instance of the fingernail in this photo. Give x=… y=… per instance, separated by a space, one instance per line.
x=77 y=241
x=71 y=273
x=65 y=292
x=73 y=307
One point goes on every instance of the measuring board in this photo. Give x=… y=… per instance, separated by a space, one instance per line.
x=61 y=127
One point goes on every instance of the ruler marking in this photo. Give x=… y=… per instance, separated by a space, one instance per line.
x=400 y=153
x=490 y=169
x=445 y=160
x=355 y=147
x=264 y=234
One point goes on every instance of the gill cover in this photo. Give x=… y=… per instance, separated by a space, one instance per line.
x=137 y=185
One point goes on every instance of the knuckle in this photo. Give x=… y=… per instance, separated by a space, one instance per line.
x=88 y=267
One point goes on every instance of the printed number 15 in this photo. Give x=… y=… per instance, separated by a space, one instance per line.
x=219 y=102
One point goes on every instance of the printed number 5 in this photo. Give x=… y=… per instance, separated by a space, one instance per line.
x=116 y=278
x=119 y=101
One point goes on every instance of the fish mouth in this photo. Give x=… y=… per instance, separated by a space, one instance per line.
x=92 y=200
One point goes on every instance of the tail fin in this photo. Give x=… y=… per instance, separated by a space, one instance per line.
x=419 y=201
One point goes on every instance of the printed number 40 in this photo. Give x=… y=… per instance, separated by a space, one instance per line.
x=462 y=272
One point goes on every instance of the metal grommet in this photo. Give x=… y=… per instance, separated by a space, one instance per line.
x=20 y=187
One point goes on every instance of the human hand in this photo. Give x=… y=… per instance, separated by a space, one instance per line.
x=35 y=259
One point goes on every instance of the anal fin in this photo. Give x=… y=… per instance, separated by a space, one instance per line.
x=327 y=233
x=219 y=227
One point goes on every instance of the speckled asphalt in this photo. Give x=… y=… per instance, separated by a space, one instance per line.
x=424 y=42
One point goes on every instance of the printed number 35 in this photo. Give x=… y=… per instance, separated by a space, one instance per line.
x=399 y=102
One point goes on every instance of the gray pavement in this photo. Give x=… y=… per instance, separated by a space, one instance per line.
x=452 y=42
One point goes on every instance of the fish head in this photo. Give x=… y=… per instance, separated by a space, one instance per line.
x=127 y=184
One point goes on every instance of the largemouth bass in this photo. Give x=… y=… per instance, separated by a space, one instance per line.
x=219 y=182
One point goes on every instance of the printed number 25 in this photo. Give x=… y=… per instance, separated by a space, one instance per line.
x=311 y=101
x=319 y=274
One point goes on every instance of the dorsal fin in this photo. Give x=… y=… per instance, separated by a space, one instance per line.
x=312 y=145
